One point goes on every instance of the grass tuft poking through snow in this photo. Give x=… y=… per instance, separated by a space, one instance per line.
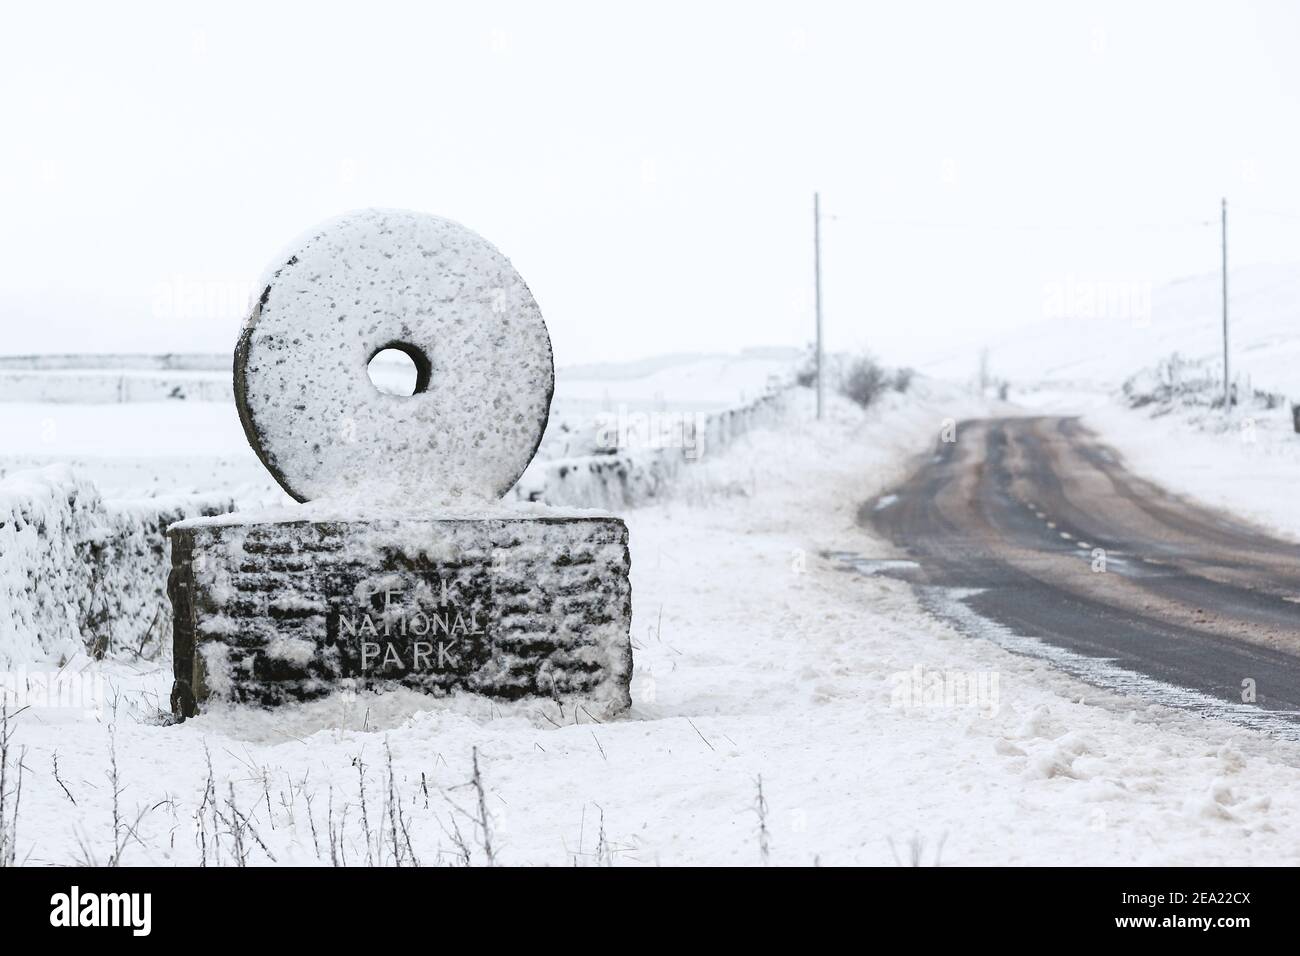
x=11 y=790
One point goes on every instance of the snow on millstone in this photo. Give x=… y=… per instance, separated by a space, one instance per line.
x=399 y=567
x=378 y=279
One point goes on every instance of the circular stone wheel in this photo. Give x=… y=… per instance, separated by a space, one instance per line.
x=391 y=279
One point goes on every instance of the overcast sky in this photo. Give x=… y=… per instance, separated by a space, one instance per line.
x=649 y=168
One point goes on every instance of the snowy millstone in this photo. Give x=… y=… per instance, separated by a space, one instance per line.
x=398 y=567
x=383 y=279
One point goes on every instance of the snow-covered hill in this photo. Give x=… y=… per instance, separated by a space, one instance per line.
x=1100 y=335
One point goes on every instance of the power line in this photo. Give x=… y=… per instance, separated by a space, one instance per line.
x=1031 y=227
x=1269 y=212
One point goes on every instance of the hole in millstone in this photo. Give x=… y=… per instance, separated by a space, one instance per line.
x=400 y=368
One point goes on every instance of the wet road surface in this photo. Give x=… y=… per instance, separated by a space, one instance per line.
x=1036 y=526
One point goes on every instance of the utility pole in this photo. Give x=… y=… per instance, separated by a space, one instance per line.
x=817 y=280
x=1227 y=388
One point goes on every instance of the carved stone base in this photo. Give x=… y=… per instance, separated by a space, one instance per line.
x=509 y=607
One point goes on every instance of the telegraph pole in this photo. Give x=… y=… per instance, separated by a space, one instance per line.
x=817 y=280
x=1227 y=388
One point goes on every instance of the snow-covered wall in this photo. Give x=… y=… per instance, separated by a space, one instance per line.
x=88 y=386
x=634 y=476
x=78 y=573
x=127 y=361
x=99 y=379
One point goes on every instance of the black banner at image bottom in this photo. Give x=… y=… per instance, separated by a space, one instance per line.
x=235 y=906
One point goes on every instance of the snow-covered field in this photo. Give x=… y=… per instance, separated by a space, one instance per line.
x=756 y=657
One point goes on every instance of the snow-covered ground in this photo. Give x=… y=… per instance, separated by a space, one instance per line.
x=756 y=657
x=136 y=449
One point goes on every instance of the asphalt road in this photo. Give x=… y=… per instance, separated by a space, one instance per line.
x=1059 y=543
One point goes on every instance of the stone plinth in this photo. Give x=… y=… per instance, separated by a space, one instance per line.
x=268 y=612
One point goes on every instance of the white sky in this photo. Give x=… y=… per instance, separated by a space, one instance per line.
x=648 y=167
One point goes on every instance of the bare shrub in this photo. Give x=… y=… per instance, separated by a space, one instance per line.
x=863 y=381
x=805 y=375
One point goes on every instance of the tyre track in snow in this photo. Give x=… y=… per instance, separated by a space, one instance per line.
x=1033 y=527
